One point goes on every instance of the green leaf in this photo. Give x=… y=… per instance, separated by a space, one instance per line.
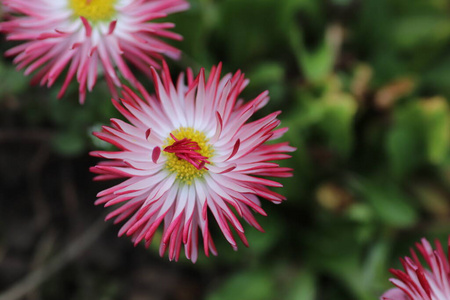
x=405 y=140
x=391 y=206
x=420 y=134
x=375 y=265
x=248 y=285
x=315 y=64
x=403 y=148
x=266 y=73
x=414 y=31
x=304 y=287
x=337 y=122
x=437 y=76
x=437 y=126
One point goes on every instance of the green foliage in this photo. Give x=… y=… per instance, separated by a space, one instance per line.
x=250 y=285
x=389 y=204
x=315 y=64
x=420 y=135
x=304 y=287
x=364 y=87
x=12 y=82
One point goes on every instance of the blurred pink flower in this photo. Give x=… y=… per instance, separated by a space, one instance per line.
x=89 y=38
x=418 y=283
x=189 y=150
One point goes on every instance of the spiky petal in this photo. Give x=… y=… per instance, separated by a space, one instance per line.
x=417 y=282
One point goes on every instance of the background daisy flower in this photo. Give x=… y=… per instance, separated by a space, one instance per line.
x=189 y=153
x=418 y=283
x=89 y=38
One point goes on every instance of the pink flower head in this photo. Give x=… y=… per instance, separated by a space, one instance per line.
x=190 y=152
x=418 y=283
x=89 y=38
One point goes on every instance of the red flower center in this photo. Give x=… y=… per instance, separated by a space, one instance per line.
x=187 y=149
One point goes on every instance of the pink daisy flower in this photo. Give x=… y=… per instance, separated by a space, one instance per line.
x=418 y=283
x=189 y=153
x=89 y=38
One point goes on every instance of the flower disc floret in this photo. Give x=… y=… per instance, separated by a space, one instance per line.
x=94 y=10
x=186 y=171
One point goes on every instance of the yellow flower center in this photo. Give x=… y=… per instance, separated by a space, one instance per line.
x=185 y=170
x=94 y=10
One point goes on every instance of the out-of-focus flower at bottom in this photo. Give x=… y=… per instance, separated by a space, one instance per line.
x=418 y=282
x=189 y=154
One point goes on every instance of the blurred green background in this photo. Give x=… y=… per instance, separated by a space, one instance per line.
x=364 y=88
